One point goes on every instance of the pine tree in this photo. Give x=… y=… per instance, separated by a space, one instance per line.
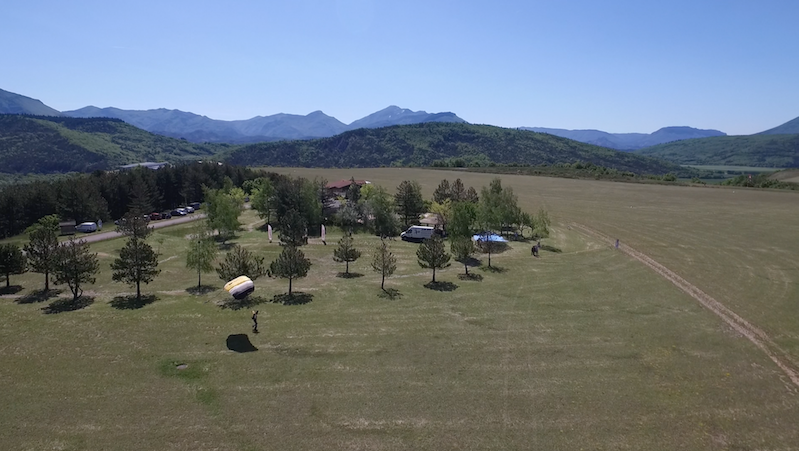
x=240 y=262
x=384 y=262
x=12 y=261
x=290 y=264
x=202 y=252
x=75 y=266
x=137 y=264
x=293 y=229
x=432 y=254
x=463 y=249
x=443 y=192
x=41 y=249
x=346 y=252
x=409 y=202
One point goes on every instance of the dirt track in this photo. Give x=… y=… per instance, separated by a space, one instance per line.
x=742 y=326
x=102 y=236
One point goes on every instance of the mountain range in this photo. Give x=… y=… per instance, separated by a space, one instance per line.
x=628 y=141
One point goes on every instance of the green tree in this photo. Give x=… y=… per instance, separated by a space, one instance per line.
x=457 y=193
x=409 y=202
x=222 y=210
x=134 y=226
x=202 y=252
x=290 y=264
x=384 y=262
x=241 y=262
x=75 y=266
x=462 y=219
x=41 y=249
x=137 y=264
x=12 y=261
x=381 y=208
x=346 y=252
x=443 y=192
x=262 y=197
x=432 y=254
x=542 y=223
x=462 y=249
x=293 y=229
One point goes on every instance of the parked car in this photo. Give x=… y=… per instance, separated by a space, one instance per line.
x=155 y=216
x=166 y=215
x=189 y=209
x=86 y=227
x=195 y=205
x=178 y=212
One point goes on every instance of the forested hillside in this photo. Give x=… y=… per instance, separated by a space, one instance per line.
x=429 y=143
x=774 y=151
x=49 y=144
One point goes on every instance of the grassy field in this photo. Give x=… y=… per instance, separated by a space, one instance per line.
x=581 y=349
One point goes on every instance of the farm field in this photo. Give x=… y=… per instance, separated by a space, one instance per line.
x=583 y=348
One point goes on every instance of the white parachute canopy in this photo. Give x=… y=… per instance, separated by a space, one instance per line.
x=240 y=287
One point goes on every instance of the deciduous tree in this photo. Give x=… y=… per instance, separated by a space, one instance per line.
x=384 y=262
x=137 y=264
x=462 y=249
x=12 y=261
x=202 y=252
x=293 y=229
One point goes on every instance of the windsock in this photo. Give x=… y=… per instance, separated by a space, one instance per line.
x=269 y=231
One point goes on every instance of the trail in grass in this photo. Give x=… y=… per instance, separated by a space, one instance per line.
x=741 y=325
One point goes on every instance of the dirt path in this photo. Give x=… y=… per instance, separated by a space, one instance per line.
x=742 y=326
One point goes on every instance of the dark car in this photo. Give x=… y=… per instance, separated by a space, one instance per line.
x=176 y=213
x=166 y=215
x=195 y=205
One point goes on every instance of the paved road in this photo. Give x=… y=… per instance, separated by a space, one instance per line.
x=102 y=236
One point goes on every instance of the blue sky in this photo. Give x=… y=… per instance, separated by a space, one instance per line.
x=618 y=66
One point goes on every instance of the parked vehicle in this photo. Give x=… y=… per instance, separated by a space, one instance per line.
x=189 y=209
x=178 y=212
x=86 y=227
x=417 y=233
x=195 y=205
x=155 y=216
x=166 y=215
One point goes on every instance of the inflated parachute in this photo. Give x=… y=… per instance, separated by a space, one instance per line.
x=240 y=287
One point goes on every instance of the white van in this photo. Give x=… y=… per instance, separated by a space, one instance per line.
x=417 y=233
x=86 y=227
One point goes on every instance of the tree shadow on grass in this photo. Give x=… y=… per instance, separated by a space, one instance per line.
x=350 y=275
x=471 y=276
x=67 y=305
x=240 y=343
x=238 y=304
x=548 y=248
x=494 y=269
x=441 y=286
x=13 y=289
x=390 y=293
x=202 y=289
x=295 y=298
x=34 y=297
x=130 y=302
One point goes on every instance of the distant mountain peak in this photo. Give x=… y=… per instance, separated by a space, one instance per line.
x=789 y=128
x=12 y=103
x=629 y=141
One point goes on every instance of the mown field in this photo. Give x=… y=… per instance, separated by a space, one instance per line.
x=582 y=348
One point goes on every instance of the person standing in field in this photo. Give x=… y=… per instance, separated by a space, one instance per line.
x=617 y=243
x=255 y=321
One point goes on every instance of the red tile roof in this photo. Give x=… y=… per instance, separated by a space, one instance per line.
x=341 y=184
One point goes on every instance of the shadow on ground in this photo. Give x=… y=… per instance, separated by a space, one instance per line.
x=471 y=276
x=390 y=293
x=240 y=343
x=441 y=286
x=295 y=298
x=68 y=305
x=238 y=304
x=349 y=275
x=131 y=303
x=548 y=248
x=203 y=289
x=494 y=269
x=13 y=289
x=34 y=297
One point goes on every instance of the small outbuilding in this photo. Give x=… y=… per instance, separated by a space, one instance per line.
x=67 y=227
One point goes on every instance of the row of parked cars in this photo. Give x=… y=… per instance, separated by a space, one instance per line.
x=180 y=211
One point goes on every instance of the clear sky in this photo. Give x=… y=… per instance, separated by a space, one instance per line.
x=618 y=66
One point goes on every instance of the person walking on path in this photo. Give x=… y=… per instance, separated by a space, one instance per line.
x=255 y=321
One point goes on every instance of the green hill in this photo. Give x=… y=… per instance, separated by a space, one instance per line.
x=428 y=143
x=48 y=144
x=789 y=127
x=776 y=151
